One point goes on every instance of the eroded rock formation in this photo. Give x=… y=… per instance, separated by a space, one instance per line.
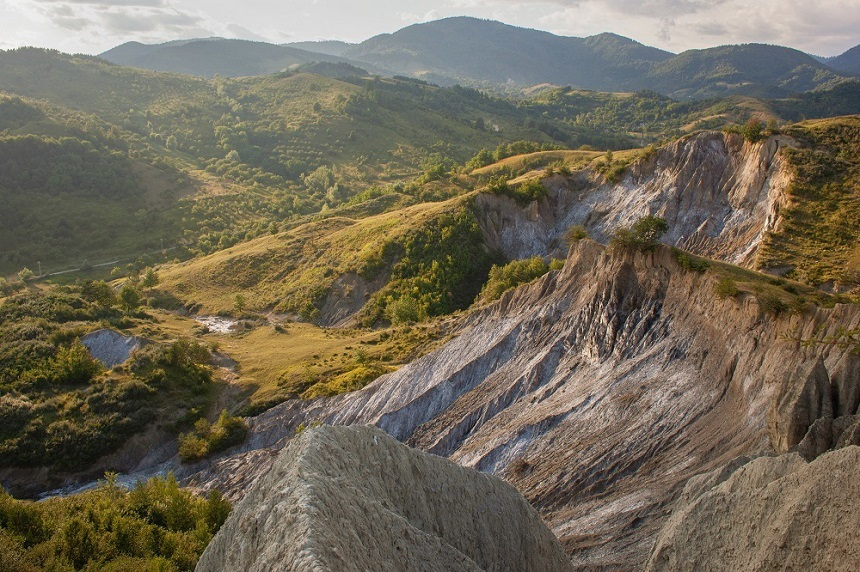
x=773 y=513
x=598 y=391
x=718 y=193
x=111 y=347
x=354 y=499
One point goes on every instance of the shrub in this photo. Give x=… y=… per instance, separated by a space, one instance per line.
x=352 y=380
x=574 y=234
x=753 y=130
x=74 y=365
x=726 y=288
x=691 y=263
x=155 y=526
x=511 y=275
x=14 y=414
x=523 y=193
x=405 y=309
x=208 y=438
x=643 y=236
x=771 y=304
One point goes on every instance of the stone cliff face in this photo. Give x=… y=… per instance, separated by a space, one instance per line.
x=718 y=193
x=597 y=391
x=354 y=499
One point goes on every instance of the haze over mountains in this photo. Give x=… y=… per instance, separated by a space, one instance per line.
x=485 y=53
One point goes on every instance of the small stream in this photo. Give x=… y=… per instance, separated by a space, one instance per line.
x=123 y=480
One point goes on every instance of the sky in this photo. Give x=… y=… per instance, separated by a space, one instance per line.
x=822 y=27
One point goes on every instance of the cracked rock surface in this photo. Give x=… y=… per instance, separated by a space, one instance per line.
x=354 y=499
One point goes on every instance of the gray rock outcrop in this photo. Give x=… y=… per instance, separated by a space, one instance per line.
x=353 y=499
x=111 y=347
x=804 y=397
x=773 y=513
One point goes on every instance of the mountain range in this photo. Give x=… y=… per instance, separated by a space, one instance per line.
x=489 y=54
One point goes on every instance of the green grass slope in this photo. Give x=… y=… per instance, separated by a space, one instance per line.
x=819 y=242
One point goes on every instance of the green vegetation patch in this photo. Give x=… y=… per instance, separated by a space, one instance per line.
x=643 y=235
x=513 y=274
x=821 y=227
x=58 y=407
x=209 y=438
x=435 y=269
x=154 y=526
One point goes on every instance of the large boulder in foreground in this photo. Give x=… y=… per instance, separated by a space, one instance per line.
x=773 y=513
x=353 y=498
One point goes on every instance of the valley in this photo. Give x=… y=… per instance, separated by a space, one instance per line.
x=614 y=301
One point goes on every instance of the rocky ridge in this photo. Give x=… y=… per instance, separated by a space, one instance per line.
x=718 y=193
x=354 y=499
x=597 y=391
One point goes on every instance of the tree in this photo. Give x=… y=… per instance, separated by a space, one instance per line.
x=753 y=130
x=149 y=278
x=98 y=291
x=129 y=298
x=482 y=159
x=643 y=236
x=25 y=274
x=239 y=303
x=574 y=234
x=74 y=365
x=649 y=229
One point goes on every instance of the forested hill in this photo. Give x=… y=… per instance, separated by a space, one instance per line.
x=471 y=50
x=497 y=56
x=848 y=62
x=211 y=56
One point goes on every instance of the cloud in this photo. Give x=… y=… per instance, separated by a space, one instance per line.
x=110 y=3
x=126 y=19
x=825 y=27
x=137 y=21
x=711 y=28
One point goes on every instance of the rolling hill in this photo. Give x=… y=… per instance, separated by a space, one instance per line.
x=208 y=57
x=469 y=50
x=500 y=57
x=848 y=62
x=330 y=47
x=750 y=69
